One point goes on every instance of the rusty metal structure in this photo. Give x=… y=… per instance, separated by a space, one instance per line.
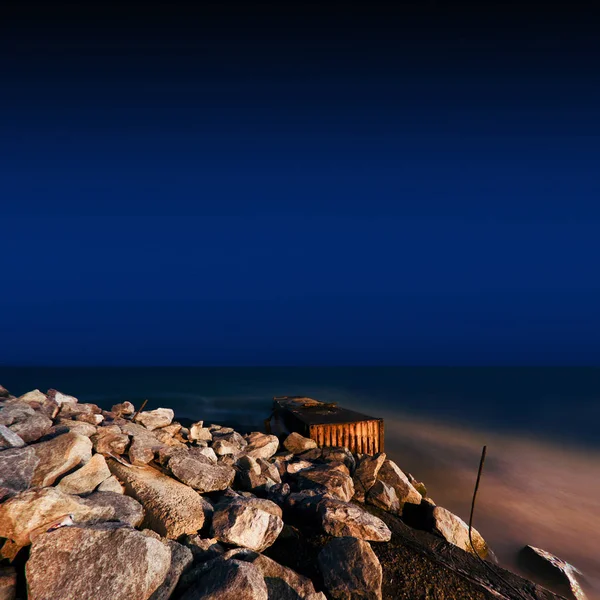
x=329 y=424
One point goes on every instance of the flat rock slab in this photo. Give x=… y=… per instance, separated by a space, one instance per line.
x=32 y=428
x=327 y=478
x=181 y=559
x=102 y=562
x=172 y=508
x=9 y=439
x=342 y=519
x=123 y=508
x=153 y=419
x=200 y=473
x=87 y=478
x=17 y=467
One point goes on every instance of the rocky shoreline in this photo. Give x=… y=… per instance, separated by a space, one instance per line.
x=114 y=504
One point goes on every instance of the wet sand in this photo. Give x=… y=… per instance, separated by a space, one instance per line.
x=532 y=492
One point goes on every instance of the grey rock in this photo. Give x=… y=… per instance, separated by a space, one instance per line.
x=61 y=398
x=202 y=476
x=32 y=428
x=86 y=478
x=391 y=474
x=297 y=443
x=365 y=474
x=350 y=570
x=153 y=419
x=102 y=562
x=80 y=427
x=123 y=508
x=14 y=411
x=71 y=411
x=222 y=447
x=17 y=467
x=342 y=519
x=140 y=453
x=9 y=439
x=181 y=559
x=233 y=437
x=328 y=479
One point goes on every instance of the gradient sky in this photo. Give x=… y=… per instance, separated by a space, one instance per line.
x=322 y=184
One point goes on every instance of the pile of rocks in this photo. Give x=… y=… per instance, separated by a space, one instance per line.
x=117 y=505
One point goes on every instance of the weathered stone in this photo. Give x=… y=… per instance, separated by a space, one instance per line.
x=269 y=470
x=107 y=442
x=92 y=419
x=442 y=522
x=34 y=511
x=4 y=393
x=204 y=549
x=172 y=508
x=9 y=439
x=140 y=453
x=299 y=465
x=418 y=485
x=32 y=428
x=166 y=438
x=278 y=493
x=124 y=409
x=80 y=427
x=248 y=522
x=207 y=452
x=229 y=580
x=350 y=570
x=297 y=443
x=144 y=436
x=71 y=411
x=384 y=496
x=311 y=455
x=33 y=396
x=153 y=419
x=112 y=484
x=59 y=455
x=393 y=476
x=342 y=519
x=222 y=447
x=61 y=398
x=327 y=479
x=172 y=429
x=261 y=445
x=87 y=478
x=8 y=583
x=104 y=562
x=125 y=509
x=339 y=454
x=282 y=583
x=197 y=432
x=17 y=467
x=365 y=474
x=202 y=476
x=14 y=411
x=181 y=559
x=233 y=437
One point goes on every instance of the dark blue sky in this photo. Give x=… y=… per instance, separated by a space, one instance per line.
x=312 y=185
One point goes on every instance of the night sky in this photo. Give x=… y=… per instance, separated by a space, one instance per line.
x=299 y=183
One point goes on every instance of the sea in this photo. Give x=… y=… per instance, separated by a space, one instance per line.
x=541 y=480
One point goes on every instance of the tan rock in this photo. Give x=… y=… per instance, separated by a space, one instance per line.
x=365 y=474
x=297 y=443
x=342 y=519
x=87 y=478
x=391 y=474
x=123 y=409
x=112 y=484
x=153 y=419
x=261 y=445
x=32 y=428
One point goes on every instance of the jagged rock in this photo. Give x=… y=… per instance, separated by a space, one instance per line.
x=282 y=583
x=92 y=419
x=297 y=443
x=17 y=467
x=384 y=496
x=350 y=570
x=76 y=426
x=108 y=442
x=269 y=470
x=59 y=455
x=550 y=567
x=124 y=409
x=34 y=396
x=32 y=428
x=228 y=580
x=140 y=453
x=172 y=508
x=87 y=478
x=172 y=429
x=393 y=476
x=261 y=445
x=8 y=581
x=71 y=411
x=233 y=437
x=198 y=433
x=166 y=438
x=181 y=559
x=366 y=473
x=104 y=562
x=153 y=419
x=227 y=460
x=311 y=455
x=61 y=398
x=295 y=467
x=112 y=484
x=207 y=452
x=328 y=479
x=143 y=436
x=418 y=485
x=9 y=439
x=223 y=447
x=342 y=519
x=339 y=454
x=204 y=549
x=124 y=509
x=202 y=476
x=14 y=411
x=251 y=523
x=34 y=511
x=442 y=522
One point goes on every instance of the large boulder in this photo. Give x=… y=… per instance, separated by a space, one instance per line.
x=181 y=559
x=297 y=443
x=327 y=478
x=252 y=523
x=122 y=508
x=32 y=428
x=365 y=474
x=350 y=570
x=171 y=507
x=202 y=475
x=261 y=445
x=17 y=467
x=391 y=474
x=104 y=562
x=87 y=478
x=34 y=511
x=342 y=519
x=153 y=419
x=9 y=439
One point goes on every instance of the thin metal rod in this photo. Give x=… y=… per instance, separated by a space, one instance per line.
x=140 y=409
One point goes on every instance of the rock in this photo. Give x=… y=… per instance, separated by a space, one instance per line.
x=32 y=428
x=222 y=447
x=350 y=570
x=153 y=419
x=282 y=583
x=418 y=485
x=14 y=411
x=233 y=437
x=181 y=559
x=123 y=508
x=140 y=453
x=327 y=479
x=172 y=429
x=202 y=476
x=61 y=398
x=393 y=476
x=297 y=443
x=297 y=466
x=342 y=519
x=9 y=439
x=105 y=562
x=143 y=436
x=92 y=419
x=166 y=438
x=546 y=565
x=197 y=432
x=261 y=445
x=204 y=549
x=248 y=522
x=384 y=496
x=59 y=455
x=124 y=409
x=17 y=467
x=34 y=396
x=366 y=473
x=172 y=508
x=71 y=411
x=34 y=511
x=442 y=522
x=208 y=452
x=8 y=581
x=229 y=580
x=87 y=478
x=112 y=484
x=108 y=442
x=80 y=427
x=4 y=393
x=339 y=454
